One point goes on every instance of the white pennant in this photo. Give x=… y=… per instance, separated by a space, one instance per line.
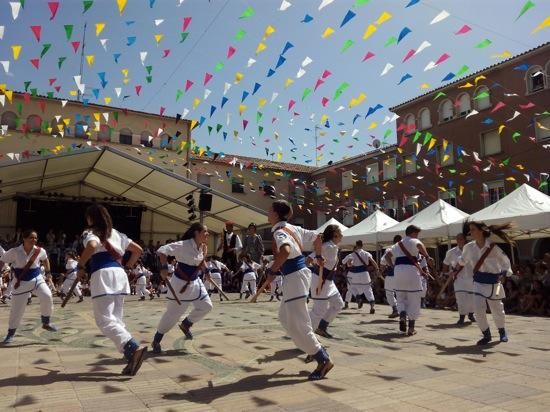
x=516 y=114
x=185 y=113
x=325 y=3
x=143 y=56
x=4 y=129
x=306 y=61
x=251 y=61
x=284 y=5
x=300 y=73
x=106 y=116
x=226 y=88
x=6 y=65
x=10 y=155
x=15 y=7
x=104 y=43
x=394 y=118
x=429 y=66
x=207 y=93
x=57 y=118
x=354 y=133
x=97 y=126
x=274 y=96
x=77 y=79
x=440 y=17
x=340 y=108
x=158 y=22
x=2 y=28
x=418 y=148
x=228 y=119
x=425 y=44
x=118 y=90
x=81 y=88
x=2 y=99
x=386 y=120
x=472 y=113
x=387 y=68
x=63 y=103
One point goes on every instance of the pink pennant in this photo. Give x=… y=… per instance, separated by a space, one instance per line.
x=52 y=81
x=291 y=104
x=166 y=53
x=442 y=58
x=295 y=114
x=207 y=77
x=400 y=127
x=36 y=63
x=186 y=22
x=57 y=88
x=320 y=147
x=37 y=30
x=326 y=73
x=54 y=6
x=245 y=123
x=162 y=110
x=367 y=56
x=76 y=45
x=138 y=90
x=273 y=120
x=526 y=106
x=410 y=54
x=42 y=105
x=464 y=29
x=319 y=82
x=188 y=84
x=27 y=97
x=403 y=141
x=324 y=101
x=498 y=106
x=231 y=51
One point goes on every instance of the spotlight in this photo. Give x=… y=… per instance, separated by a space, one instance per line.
x=189 y=196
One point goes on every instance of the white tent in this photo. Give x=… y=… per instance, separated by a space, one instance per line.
x=438 y=222
x=526 y=207
x=367 y=230
x=332 y=221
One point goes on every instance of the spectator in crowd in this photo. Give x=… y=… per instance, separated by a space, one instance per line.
x=230 y=245
x=253 y=245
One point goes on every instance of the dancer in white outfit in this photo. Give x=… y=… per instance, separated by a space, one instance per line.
x=290 y=263
x=360 y=283
x=389 y=279
x=104 y=246
x=276 y=285
x=70 y=275
x=250 y=276
x=408 y=282
x=140 y=274
x=488 y=264
x=190 y=252
x=463 y=282
x=327 y=301
x=215 y=268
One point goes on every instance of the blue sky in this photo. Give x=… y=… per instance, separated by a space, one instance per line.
x=212 y=31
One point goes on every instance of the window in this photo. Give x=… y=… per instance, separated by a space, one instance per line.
x=347 y=216
x=125 y=136
x=347 y=180
x=164 y=142
x=321 y=218
x=490 y=143
x=299 y=195
x=203 y=179
x=410 y=124
x=494 y=191
x=424 y=119
x=542 y=127
x=534 y=79
x=446 y=111
x=321 y=186
x=390 y=208
x=390 y=169
x=482 y=98
x=449 y=196
x=104 y=134
x=237 y=185
x=9 y=119
x=373 y=173
x=34 y=123
x=144 y=138
x=464 y=104
x=444 y=157
x=81 y=129
x=409 y=164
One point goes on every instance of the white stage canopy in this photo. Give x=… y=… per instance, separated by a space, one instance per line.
x=332 y=221
x=367 y=230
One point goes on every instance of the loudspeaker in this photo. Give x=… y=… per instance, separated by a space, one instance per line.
x=205 y=202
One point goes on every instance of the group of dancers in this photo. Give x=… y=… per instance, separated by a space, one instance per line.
x=477 y=267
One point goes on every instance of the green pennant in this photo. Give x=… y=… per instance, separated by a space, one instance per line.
x=34 y=92
x=87 y=5
x=22 y=3
x=347 y=44
x=45 y=49
x=50 y=95
x=390 y=41
x=219 y=66
x=115 y=115
x=68 y=31
x=27 y=84
x=249 y=12
x=387 y=133
x=218 y=127
x=179 y=93
x=417 y=136
x=427 y=138
x=240 y=34
x=306 y=93
x=483 y=44
x=258 y=116
x=343 y=86
x=439 y=95
x=19 y=108
x=149 y=69
x=462 y=70
x=60 y=61
x=209 y=130
x=260 y=130
x=359 y=3
x=149 y=79
x=183 y=35
x=506 y=161
x=516 y=136
x=482 y=95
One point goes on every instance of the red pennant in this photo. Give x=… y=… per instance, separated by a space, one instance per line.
x=36 y=63
x=76 y=45
x=368 y=56
x=319 y=82
x=498 y=106
x=326 y=73
x=207 y=77
x=186 y=22
x=273 y=120
x=37 y=30
x=57 y=88
x=166 y=53
x=409 y=54
x=188 y=84
x=526 y=106
x=442 y=58
x=162 y=110
x=52 y=81
x=138 y=90
x=324 y=101
x=291 y=104
x=403 y=141
x=231 y=51
x=27 y=97
x=54 y=6
x=42 y=105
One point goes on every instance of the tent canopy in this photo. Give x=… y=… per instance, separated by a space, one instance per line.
x=367 y=230
x=332 y=221
x=118 y=174
x=438 y=222
x=526 y=207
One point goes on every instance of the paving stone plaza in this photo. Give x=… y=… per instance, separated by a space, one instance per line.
x=240 y=360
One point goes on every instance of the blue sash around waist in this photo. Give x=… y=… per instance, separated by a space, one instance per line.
x=403 y=260
x=214 y=271
x=358 y=269
x=30 y=275
x=327 y=273
x=388 y=271
x=103 y=260
x=486 y=278
x=187 y=272
x=293 y=265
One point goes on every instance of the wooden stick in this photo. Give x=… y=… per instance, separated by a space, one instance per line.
x=268 y=280
x=320 y=281
x=167 y=281
x=217 y=287
x=71 y=291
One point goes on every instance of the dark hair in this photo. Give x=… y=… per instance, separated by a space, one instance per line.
x=330 y=232
x=283 y=209
x=252 y=225
x=190 y=233
x=498 y=230
x=71 y=253
x=412 y=229
x=397 y=238
x=246 y=257
x=102 y=225
x=28 y=232
x=359 y=243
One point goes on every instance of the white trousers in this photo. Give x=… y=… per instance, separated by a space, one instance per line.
x=424 y=282
x=326 y=309
x=486 y=295
x=249 y=283
x=142 y=290
x=108 y=313
x=389 y=288
x=293 y=312
x=216 y=277
x=67 y=283
x=409 y=290
x=22 y=294
x=276 y=284
x=409 y=302
x=465 y=302
x=195 y=294
x=358 y=290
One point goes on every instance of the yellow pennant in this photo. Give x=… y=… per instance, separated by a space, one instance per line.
x=261 y=47
x=433 y=141
x=268 y=32
x=262 y=102
x=125 y=80
x=288 y=82
x=445 y=143
x=124 y=72
x=90 y=59
x=511 y=179
x=460 y=190
x=99 y=28
x=328 y=31
x=424 y=86
x=369 y=31
x=478 y=78
x=9 y=95
x=373 y=125
x=73 y=93
x=121 y=5
x=196 y=102
x=193 y=124
x=67 y=121
x=500 y=128
x=242 y=108
x=16 y=50
x=107 y=99
x=158 y=38
x=385 y=16
x=544 y=24
x=238 y=77
x=466 y=86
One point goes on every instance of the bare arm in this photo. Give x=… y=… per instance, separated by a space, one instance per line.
x=388 y=258
x=135 y=251
x=373 y=263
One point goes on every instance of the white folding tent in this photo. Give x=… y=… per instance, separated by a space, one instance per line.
x=332 y=221
x=368 y=229
x=438 y=222
x=526 y=207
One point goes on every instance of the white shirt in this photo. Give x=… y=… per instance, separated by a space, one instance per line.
x=383 y=261
x=283 y=238
x=216 y=264
x=452 y=257
x=185 y=251
x=2 y=251
x=496 y=261
x=238 y=243
x=119 y=241
x=355 y=261
x=409 y=243
x=249 y=267
x=70 y=269
x=329 y=251
x=18 y=258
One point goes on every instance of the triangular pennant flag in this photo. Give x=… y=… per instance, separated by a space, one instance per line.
x=53 y=6
x=121 y=6
x=45 y=49
x=207 y=78
x=37 y=30
x=36 y=63
x=68 y=31
x=87 y=5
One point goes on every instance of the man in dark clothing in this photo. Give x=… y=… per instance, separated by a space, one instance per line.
x=230 y=245
x=253 y=244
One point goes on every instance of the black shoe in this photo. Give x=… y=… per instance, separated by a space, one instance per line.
x=394 y=314
x=29 y=301
x=142 y=298
x=246 y=295
x=359 y=303
x=135 y=363
x=271 y=299
x=156 y=348
x=240 y=296
x=278 y=297
x=346 y=306
x=486 y=338
x=3 y=299
x=324 y=333
x=49 y=327
x=503 y=336
x=80 y=299
x=372 y=310
x=322 y=369
x=412 y=330
x=186 y=331
x=471 y=317
x=151 y=296
x=403 y=322
x=460 y=321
